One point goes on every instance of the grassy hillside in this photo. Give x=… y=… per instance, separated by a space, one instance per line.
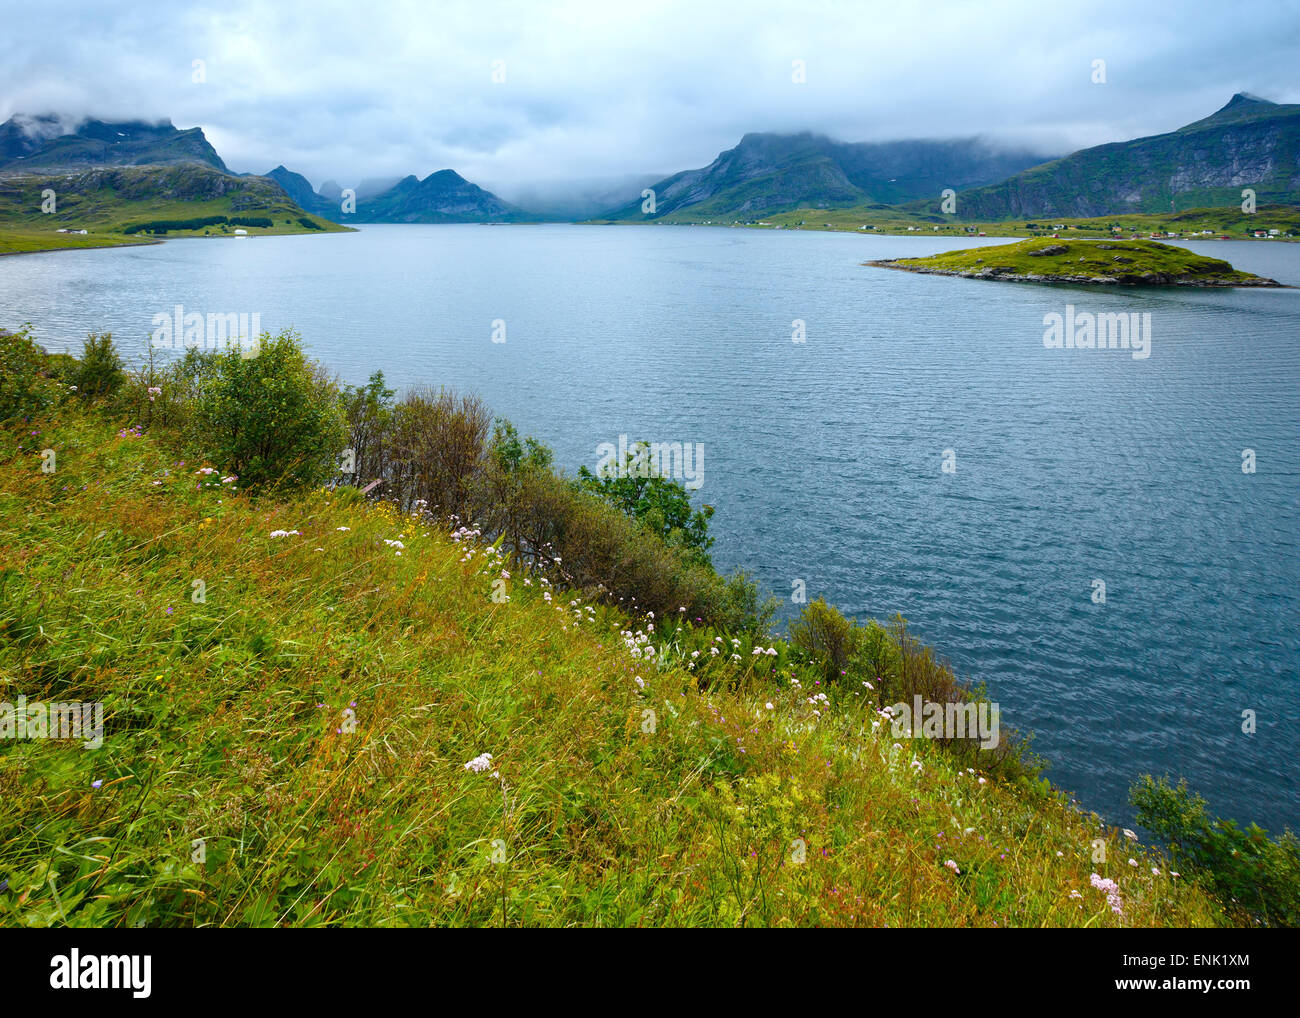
x=118 y=205
x=311 y=718
x=1131 y=262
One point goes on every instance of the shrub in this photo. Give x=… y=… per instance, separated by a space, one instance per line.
x=826 y=636
x=25 y=386
x=1251 y=874
x=274 y=419
x=99 y=372
x=899 y=668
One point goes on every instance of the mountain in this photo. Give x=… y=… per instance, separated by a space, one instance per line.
x=442 y=197
x=297 y=187
x=778 y=172
x=42 y=143
x=1250 y=142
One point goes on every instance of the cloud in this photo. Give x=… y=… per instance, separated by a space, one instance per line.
x=595 y=90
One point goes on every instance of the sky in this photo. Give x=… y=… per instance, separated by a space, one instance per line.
x=522 y=97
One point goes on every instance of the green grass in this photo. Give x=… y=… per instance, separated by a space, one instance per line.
x=28 y=241
x=224 y=722
x=1127 y=261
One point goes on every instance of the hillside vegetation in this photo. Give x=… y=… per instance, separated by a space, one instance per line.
x=323 y=710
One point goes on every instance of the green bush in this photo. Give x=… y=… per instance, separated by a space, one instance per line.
x=1253 y=875
x=98 y=374
x=826 y=636
x=273 y=419
x=899 y=668
x=25 y=385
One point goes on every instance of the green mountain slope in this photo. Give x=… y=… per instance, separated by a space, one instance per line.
x=1249 y=143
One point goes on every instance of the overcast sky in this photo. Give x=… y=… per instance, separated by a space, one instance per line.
x=608 y=89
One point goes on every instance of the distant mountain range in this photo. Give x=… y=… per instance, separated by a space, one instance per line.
x=1250 y=142
x=768 y=173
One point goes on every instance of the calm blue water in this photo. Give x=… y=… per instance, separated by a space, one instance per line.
x=824 y=458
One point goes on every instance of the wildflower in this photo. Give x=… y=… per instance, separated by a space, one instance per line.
x=342 y=528
x=479 y=764
x=1110 y=889
x=952 y=865
x=1130 y=835
x=1132 y=862
x=770 y=707
x=97 y=783
x=285 y=533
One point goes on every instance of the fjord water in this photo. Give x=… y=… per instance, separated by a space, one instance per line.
x=824 y=459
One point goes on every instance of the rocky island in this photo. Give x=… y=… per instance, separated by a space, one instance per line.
x=1050 y=260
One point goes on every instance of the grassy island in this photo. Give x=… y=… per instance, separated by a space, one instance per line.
x=1109 y=262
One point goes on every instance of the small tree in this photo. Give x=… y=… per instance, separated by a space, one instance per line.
x=98 y=374
x=274 y=419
